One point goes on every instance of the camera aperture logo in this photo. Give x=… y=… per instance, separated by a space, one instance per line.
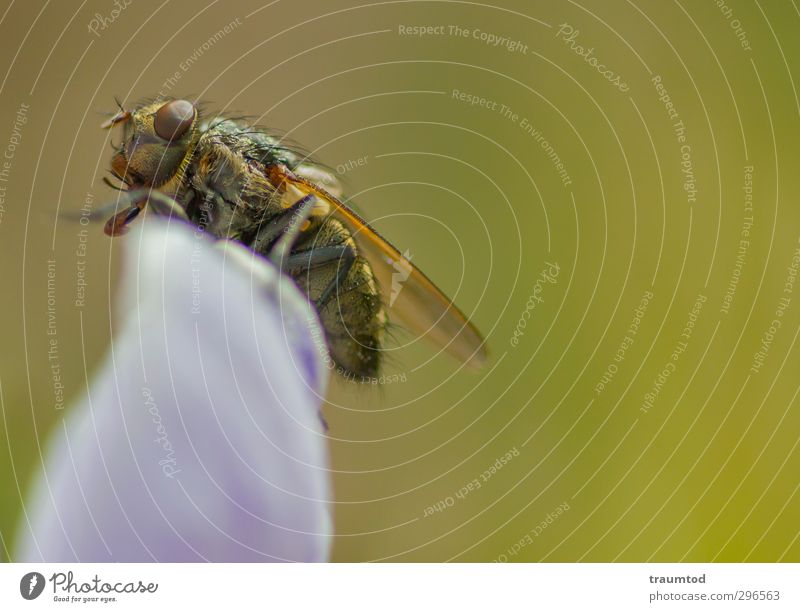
x=31 y=585
x=67 y=590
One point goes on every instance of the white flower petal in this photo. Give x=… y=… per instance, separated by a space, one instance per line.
x=200 y=438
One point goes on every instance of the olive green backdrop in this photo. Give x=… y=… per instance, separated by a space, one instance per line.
x=609 y=188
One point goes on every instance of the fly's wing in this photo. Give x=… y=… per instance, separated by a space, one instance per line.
x=410 y=295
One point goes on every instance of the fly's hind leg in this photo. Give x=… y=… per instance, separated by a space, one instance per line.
x=276 y=238
x=343 y=254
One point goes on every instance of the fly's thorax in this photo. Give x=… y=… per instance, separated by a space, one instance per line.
x=219 y=218
x=231 y=196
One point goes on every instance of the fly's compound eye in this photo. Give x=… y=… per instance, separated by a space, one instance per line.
x=173 y=119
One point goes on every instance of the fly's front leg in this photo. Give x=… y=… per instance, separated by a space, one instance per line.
x=343 y=254
x=118 y=224
x=159 y=202
x=136 y=200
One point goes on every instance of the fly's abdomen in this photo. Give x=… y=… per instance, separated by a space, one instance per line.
x=353 y=316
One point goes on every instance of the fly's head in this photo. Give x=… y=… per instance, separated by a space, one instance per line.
x=157 y=141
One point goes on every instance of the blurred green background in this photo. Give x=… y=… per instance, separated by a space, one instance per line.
x=600 y=464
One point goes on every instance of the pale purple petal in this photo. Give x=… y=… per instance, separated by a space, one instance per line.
x=200 y=437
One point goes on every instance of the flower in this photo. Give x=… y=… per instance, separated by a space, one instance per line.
x=200 y=438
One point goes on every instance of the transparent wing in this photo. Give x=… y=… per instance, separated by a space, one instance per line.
x=411 y=297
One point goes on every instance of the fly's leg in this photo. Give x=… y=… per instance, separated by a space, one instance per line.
x=276 y=239
x=137 y=198
x=128 y=206
x=118 y=224
x=159 y=202
x=343 y=254
x=269 y=233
